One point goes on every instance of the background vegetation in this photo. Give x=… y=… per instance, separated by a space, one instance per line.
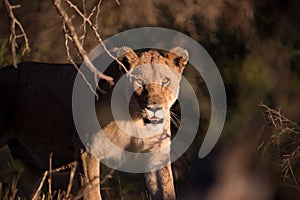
x=256 y=46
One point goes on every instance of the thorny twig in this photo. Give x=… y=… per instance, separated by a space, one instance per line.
x=98 y=13
x=67 y=38
x=94 y=27
x=14 y=36
x=279 y=121
x=287 y=167
x=285 y=136
x=76 y=40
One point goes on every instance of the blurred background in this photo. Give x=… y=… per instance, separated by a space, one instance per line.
x=256 y=46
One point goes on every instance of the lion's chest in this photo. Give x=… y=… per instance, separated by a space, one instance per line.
x=121 y=136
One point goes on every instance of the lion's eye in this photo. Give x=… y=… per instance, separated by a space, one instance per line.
x=166 y=81
x=139 y=82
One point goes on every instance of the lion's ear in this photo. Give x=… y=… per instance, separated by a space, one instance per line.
x=179 y=56
x=126 y=56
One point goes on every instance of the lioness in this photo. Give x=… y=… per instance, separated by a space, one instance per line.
x=36 y=116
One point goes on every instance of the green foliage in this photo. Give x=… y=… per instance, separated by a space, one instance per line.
x=6 y=57
x=256 y=76
x=5 y=54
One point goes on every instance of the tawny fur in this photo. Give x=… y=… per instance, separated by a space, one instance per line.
x=35 y=113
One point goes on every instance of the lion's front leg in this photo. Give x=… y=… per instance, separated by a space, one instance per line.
x=91 y=177
x=160 y=184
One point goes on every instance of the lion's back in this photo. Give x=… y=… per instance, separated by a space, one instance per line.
x=35 y=111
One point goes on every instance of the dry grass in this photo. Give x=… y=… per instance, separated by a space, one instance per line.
x=47 y=188
x=282 y=145
x=9 y=192
x=61 y=194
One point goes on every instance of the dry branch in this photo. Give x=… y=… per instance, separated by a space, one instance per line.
x=78 y=44
x=72 y=174
x=67 y=38
x=50 y=177
x=285 y=139
x=78 y=40
x=94 y=27
x=39 y=188
x=38 y=192
x=14 y=36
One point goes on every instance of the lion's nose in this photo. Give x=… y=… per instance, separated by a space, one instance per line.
x=154 y=107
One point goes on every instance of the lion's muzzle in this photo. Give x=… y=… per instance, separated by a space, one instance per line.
x=155 y=114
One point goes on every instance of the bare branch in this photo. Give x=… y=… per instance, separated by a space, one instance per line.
x=77 y=42
x=285 y=139
x=98 y=13
x=38 y=190
x=72 y=166
x=50 y=177
x=72 y=174
x=82 y=37
x=279 y=121
x=14 y=24
x=95 y=31
x=118 y=2
x=67 y=38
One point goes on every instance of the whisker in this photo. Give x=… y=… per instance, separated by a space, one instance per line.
x=173 y=114
x=175 y=119
x=176 y=124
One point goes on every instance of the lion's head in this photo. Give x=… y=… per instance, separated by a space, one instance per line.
x=154 y=78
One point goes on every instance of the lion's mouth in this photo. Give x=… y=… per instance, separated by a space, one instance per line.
x=153 y=120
